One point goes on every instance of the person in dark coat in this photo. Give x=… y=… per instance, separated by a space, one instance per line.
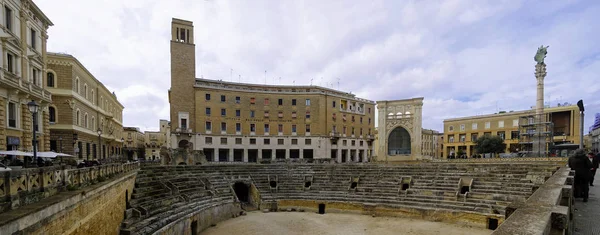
x=582 y=166
x=595 y=163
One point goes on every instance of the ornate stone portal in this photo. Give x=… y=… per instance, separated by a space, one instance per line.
x=399 y=130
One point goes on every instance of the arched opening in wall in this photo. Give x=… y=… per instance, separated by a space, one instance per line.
x=492 y=223
x=183 y=144
x=322 y=208
x=127 y=199
x=194 y=227
x=399 y=142
x=242 y=191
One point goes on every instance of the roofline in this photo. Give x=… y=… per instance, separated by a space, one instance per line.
x=280 y=86
x=40 y=12
x=568 y=107
x=69 y=56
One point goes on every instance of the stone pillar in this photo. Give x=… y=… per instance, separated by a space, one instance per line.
x=216 y=155
x=259 y=157
x=273 y=154
x=245 y=155
x=301 y=153
x=287 y=153
x=230 y=156
x=26 y=124
x=339 y=155
x=2 y=123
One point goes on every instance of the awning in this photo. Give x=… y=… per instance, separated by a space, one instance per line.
x=51 y=154
x=17 y=153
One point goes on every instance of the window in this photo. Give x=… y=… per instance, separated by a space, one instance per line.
x=266 y=128
x=35 y=76
x=462 y=138
x=307 y=114
x=294 y=115
x=280 y=141
x=267 y=114
x=514 y=135
x=516 y=122
x=223 y=126
x=207 y=96
x=251 y=113
x=92 y=96
x=361 y=143
x=333 y=104
x=223 y=140
x=502 y=134
x=238 y=127
x=307 y=128
x=369 y=120
x=266 y=101
x=184 y=124
x=93 y=123
x=223 y=99
x=12 y=115
x=252 y=100
x=369 y=110
x=77 y=85
x=500 y=124
x=252 y=141
x=307 y=142
x=280 y=102
x=77 y=118
x=352 y=130
x=237 y=113
x=344 y=130
x=238 y=140
x=294 y=141
x=50 y=79
x=293 y=128
x=10 y=62
x=267 y=141
x=223 y=112
x=85 y=120
x=8 y=18
x=280 y=114
x=353 y=119
x=280 y=128
x=487 y=125
x=307 y=102
x=462 y=127
x=85 y=91
x=33 y=38
x=293 y=102
x=474 y=126
x=451 y=128
x=474 y=137
x=208 y=140
x=252 y=127
x=207 y=111
x=361 y=120
x=208 y=126
x=237 y=99
x=451 y=139
x=344 y=142
x=52 y=114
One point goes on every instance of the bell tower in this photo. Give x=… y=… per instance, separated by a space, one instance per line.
x=183 y=76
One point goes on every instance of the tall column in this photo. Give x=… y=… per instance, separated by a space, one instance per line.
x=273 y=154
x=216 y=155
x=230 y=156
x=245 y=157
x=301 y=153
x=259 y=157
x=287 y=153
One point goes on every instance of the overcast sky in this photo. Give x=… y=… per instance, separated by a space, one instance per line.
x=466 y=57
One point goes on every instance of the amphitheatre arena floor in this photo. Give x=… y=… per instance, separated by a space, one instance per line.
x=292 y=223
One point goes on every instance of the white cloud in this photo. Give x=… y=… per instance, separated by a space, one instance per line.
x=463 y=56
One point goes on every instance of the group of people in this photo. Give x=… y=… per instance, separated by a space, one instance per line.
x=585 y=170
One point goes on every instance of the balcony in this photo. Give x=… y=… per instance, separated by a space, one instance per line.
x=13 y=81
x=334 y=135
x=183 y=130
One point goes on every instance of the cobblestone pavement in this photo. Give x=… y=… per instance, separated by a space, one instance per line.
x=587 y=215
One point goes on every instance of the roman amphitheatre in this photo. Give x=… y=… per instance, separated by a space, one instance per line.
x=517 y=197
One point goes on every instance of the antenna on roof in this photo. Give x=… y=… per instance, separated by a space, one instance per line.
x=265 y=77
x=311 y=81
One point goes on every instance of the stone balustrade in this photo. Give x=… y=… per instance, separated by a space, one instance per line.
x=21 y=187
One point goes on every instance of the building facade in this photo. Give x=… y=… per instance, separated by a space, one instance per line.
x=595 y=134
x=23 y=33
x=84 y=114
x=249 y=122
x=430 y=143
x=134 y=143
x=460 y=134
x=154 y=140
x=400 y=129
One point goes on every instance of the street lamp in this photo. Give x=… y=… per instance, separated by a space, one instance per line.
x=33 y=108
x=121 y=152
x=99 y=142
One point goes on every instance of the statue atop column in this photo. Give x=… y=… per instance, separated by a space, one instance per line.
x=541 y=54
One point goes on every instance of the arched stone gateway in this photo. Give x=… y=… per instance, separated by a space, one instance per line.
x=183 y=143
x=399 y=142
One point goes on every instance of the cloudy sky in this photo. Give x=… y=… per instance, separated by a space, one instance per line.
x=466 y=57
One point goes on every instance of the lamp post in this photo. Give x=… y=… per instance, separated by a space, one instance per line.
x=121 y=152
x=33 y=108
x=60 y=147
x=99 y=143
x=581 y=109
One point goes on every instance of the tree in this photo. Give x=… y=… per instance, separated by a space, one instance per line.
x=489 y=144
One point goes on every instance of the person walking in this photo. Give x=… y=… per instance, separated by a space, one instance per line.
x=595 y=163
x=582 y=166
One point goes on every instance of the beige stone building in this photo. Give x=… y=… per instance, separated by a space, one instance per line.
x=250 y=122
x=430 y=143
x=400 y=129
x=84 y=113
x=514 y=127
x=154 y=140
x=23 y=34
x=134 y=143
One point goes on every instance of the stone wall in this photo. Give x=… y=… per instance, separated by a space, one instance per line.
x=204 y=219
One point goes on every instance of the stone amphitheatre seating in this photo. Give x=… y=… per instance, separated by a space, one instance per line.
x=164 y=194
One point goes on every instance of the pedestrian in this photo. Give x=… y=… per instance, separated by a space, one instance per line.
x=582 y=166
x=595 y=163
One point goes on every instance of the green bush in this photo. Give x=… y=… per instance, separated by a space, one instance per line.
x=71 y=187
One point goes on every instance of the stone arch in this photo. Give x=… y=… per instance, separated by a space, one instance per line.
x=183 y=144
x=399 y=141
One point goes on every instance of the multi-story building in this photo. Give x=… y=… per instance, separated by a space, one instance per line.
x=23 y=30
x=429 y=143
x=84 y=113
x=134 y=143
x=248 y=122
x=439 y=152
x=460 y=133
x=155 y=140
x=595 y=134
